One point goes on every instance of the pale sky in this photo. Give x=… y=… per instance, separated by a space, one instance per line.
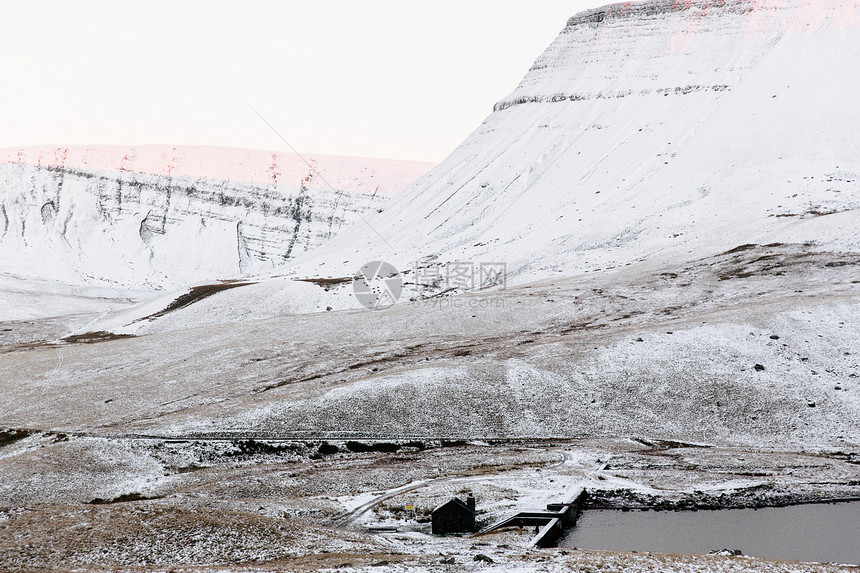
x=377 y=78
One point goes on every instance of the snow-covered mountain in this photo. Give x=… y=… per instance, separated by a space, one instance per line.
x=162 y=217
x=651 y=129
x=656 y=131
x=673 y=187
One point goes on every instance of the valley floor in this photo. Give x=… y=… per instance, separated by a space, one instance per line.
x=295 y=443
x=72 y=501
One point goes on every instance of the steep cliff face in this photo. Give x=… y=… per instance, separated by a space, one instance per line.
x=93 y=215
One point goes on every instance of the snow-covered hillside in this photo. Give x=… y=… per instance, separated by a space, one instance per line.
x=647 y=130
x=664 y=226
x=656 y=131
x=158 y=217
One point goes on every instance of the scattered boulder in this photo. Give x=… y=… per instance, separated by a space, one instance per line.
x=726 y=552
x=11 y=436
x=482 y=557
x=327 y=449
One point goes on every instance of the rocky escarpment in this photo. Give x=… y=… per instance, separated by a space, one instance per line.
x=143 y=230
x=656 y=48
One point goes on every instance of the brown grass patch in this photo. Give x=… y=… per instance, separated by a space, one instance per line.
x=327 y=282
x=93 y=337
x=195 y=294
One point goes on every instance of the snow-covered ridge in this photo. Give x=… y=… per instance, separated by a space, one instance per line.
x=225 y=164
x=597 y=15
x=598 y=55
x=650 y=8
x=70 y=214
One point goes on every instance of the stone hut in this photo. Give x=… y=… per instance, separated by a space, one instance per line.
x=454 y=516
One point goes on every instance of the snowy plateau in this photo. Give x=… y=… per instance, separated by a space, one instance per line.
x=187 y=380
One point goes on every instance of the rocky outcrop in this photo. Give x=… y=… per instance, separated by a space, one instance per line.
x=157 y=230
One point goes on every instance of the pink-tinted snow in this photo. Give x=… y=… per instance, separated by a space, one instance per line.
x=222 y=163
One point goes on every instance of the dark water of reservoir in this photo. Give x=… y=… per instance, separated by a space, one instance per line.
x=813 y=532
